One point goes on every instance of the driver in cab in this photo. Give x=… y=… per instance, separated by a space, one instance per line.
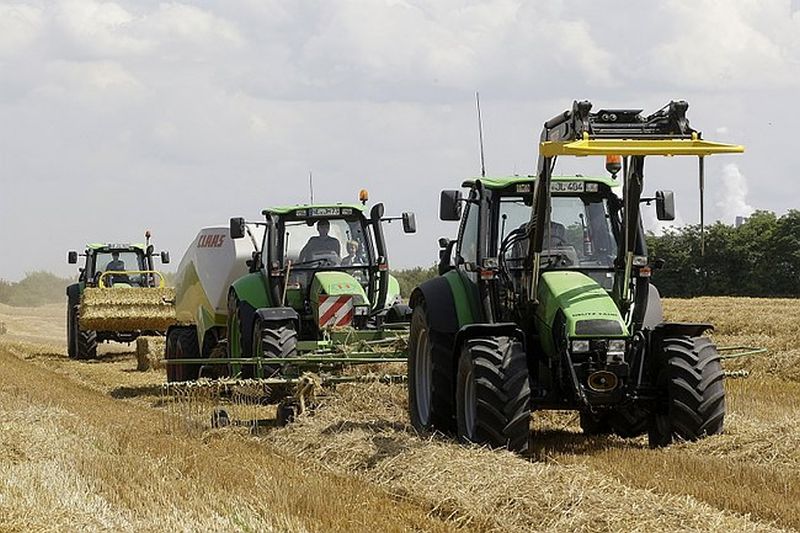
x=320 y=244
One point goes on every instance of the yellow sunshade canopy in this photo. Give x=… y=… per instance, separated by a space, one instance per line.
x=586 y=146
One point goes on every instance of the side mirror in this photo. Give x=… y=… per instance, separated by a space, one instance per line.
x=165 y=257
x=237 y=228
x=72 y=257
x=450 y=205
x=376 y=213
x=409 y=223
x=665 y=205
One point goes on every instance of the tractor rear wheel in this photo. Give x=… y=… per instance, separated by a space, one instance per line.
x=493 y=393
x=182 y=343
x=692 y=385
x=72 y=330
x=272 y=340
x=431 y=396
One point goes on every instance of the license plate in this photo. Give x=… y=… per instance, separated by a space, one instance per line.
x=566 y=186
x=325 y=211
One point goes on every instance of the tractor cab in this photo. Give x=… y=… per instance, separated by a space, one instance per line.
x=118 y=265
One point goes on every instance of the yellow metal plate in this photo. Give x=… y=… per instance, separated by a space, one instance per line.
x=668 y=147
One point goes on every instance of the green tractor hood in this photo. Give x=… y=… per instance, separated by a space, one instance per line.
x=587 y=308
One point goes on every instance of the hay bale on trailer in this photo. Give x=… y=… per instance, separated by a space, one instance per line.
x=127 y=309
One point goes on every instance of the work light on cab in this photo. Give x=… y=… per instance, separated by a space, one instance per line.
x=613 y=164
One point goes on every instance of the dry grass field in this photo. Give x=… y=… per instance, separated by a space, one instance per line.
x=93 y=445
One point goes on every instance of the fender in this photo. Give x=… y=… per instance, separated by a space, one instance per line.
x=439 y=303
x=74 y=293
x=471 y=331
x=270 y=315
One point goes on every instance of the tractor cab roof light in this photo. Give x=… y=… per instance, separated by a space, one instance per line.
x=363 y=196
x=613 y=164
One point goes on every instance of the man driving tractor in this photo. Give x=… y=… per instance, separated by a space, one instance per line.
x=321 y=244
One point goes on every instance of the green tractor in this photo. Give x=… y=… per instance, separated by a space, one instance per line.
x=120 y=281
x=305 y=290
x=544 y=300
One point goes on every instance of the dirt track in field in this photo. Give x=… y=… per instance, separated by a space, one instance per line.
x=89 y=445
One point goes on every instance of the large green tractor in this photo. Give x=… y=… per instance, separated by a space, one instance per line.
x=305 y=289
x=121 y=280
x=321 y=268
x=544 y=300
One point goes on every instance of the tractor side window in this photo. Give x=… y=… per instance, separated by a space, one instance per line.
x=468 y=242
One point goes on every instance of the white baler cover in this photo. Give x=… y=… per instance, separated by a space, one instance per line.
x=208 y=268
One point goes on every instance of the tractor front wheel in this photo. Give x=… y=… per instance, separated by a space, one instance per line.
x=85 y=342
x=493 y=393
x=430 y=377
x=692 y=386
x=271 y=340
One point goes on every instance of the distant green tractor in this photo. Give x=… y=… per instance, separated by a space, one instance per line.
x=121 y=277
x=544 y=300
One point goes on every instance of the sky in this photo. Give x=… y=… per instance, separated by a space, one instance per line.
x=116 y=117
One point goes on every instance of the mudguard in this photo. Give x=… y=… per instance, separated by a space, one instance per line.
x=498 y=329
x=74 y=293
x=439 y=305
x=278 y=314
x=252 y=289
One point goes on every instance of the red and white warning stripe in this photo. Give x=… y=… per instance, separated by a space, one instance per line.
x=335 y=311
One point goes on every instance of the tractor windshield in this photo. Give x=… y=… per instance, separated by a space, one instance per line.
x=120 y=261
x=117 y=261
x=580 y=232
x=325 y=243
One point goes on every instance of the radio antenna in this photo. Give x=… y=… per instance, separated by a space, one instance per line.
x=311 y=187
x=480 y=133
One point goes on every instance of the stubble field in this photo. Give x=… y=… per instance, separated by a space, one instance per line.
x=94 y=446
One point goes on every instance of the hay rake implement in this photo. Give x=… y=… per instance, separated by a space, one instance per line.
x=294 y=384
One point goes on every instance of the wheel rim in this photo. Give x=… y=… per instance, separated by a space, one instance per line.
x=423 y=371
x=470 y=405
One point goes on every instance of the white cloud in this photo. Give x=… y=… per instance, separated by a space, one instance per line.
x=731 y=194
x=20 y=25
x=725 y=44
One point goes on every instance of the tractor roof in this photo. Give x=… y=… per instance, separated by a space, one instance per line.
x=501 y=182
x=292 y=209
x=115 y=246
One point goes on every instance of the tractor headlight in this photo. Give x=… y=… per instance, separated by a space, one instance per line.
x=361 y=310
x=616 y=346
x=580 y=346
x=616 y=350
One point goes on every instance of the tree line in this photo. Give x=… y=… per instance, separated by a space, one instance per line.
x=759 y=258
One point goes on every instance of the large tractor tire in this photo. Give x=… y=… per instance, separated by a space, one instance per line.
x=431 y=398
x=692 y=386
x=72 y=330
x=182 y=343
x=85 y=341
x=272 y=340
x=493 y=394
